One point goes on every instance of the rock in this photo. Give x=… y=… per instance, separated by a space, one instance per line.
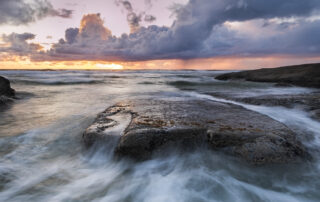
x=108 y=125
x=156 y=126
x=4 y=100
x=6 y=92
x=5 y=88
x=315 y=114
x=283 y=85
x=307 y=75
x=310 y=102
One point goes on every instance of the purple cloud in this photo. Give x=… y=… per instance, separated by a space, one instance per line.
x=199 y=31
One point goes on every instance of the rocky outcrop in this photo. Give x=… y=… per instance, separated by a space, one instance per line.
x=309 y=102
x=307 y=75
x=6 y=92
x=143 y=128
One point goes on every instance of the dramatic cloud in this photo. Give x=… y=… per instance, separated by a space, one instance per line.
x=71 y=35
x=202 y=29
x=17 y=12
x=18 y=44
x=91 y=30
x=135 y=18
x=92 y=27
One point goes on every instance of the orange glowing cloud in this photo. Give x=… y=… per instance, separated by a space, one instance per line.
x=204 y=35
x=92 y=25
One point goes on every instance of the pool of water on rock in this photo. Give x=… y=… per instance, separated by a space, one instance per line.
x=43 y=157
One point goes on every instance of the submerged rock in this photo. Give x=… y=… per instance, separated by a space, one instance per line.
x=157 y=126
x=307 y=75
x=6 y=92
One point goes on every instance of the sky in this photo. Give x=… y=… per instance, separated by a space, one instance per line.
x=158 y=34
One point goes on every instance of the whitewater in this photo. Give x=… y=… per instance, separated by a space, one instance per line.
x=43 y=158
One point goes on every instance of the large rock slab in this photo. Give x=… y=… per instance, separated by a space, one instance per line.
x=156 y=126
x=307 y=75
x=6 y=92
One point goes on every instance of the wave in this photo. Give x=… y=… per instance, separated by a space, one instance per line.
x=295 y=118
x=48 y=162
x=184 y=83
x=57 y=82
x=146 y=83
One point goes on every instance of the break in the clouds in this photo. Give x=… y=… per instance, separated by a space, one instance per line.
x=202 y=29
x=17 y=12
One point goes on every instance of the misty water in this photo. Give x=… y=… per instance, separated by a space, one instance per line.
x=43 y=158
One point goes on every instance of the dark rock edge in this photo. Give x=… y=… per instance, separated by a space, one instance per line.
x=7 y=94
x=306 y=75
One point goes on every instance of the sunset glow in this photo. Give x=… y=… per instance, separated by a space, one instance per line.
x=109 y=66
x=159 y=100
x=201 y=64
x=147 y=35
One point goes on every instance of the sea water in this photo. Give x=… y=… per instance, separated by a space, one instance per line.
x=43 y=158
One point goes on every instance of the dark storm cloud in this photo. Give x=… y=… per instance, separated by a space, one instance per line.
x=71 y=35
x=196 y=20
x=200 y=31
x=301 y=39
x=17 y=12
x=18 y=44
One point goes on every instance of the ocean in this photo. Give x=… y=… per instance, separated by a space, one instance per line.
x=43 y=157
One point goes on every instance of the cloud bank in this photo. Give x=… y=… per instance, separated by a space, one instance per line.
x=18 y=12
x=202 y=29
x=18 y=44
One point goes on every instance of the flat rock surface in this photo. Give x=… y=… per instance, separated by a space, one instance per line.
x=301 y=75
x=141 y=128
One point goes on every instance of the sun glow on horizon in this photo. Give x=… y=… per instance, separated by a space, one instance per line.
x=223 y=63
x=110 y=66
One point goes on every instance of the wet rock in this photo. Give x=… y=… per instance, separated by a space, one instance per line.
x=5 y=100
x=283 y=85
x=315 y=114
x=307 y=75
x=108 y=125
x=5 y=88
x=159 y=125
x=309 y=102
x=5 y=178
x=6 y=92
